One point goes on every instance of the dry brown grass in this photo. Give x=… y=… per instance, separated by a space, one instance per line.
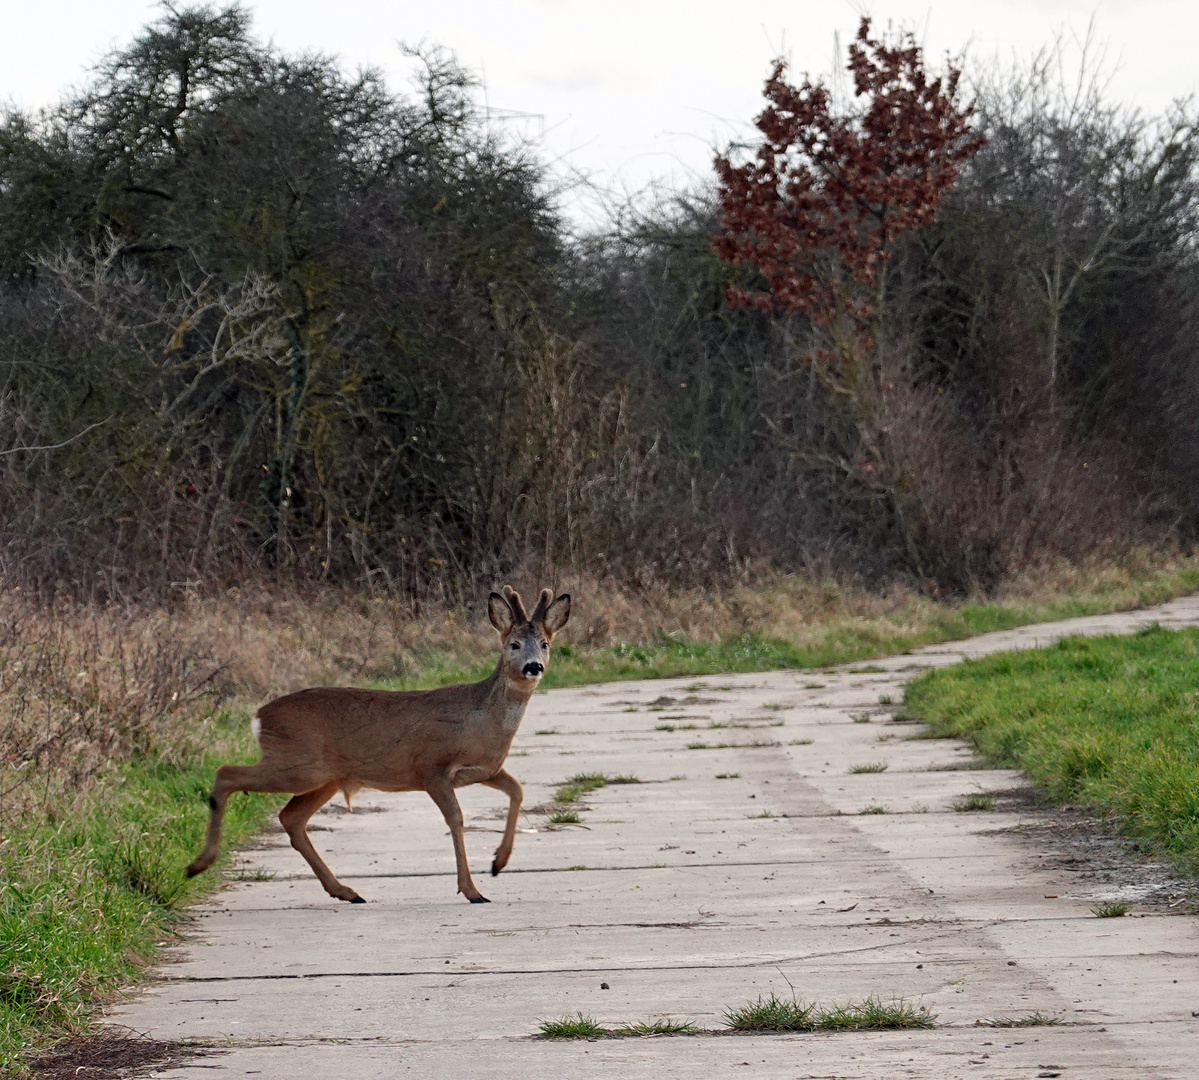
x=83 y=688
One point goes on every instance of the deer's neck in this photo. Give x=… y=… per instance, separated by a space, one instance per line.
x=506 y=700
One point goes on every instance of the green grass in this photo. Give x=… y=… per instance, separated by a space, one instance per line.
x=586 y=1027
x=874 y=808
x=782 y=1014
x=89 y=896
x=772 y=1014
x=565 y=817
x=571 y=1027
x=873 y=1014
x=1111 y=722
x=1111 y=909
x=975 y=801
x=663 y=1026
x=869 y=767
x=1032 y=1019
x=575 y=787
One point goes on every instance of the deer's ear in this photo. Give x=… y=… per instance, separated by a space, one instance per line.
x=557 y=613
x=499 y=613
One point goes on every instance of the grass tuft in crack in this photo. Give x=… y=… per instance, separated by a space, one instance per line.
x=869 y=767
x=575 y=787
x=1111 y=909
x=664 y=1026
x=1033 y=1019
x=565 y=817
x=872 y=1014
x=968 y=803
x=772 y=1014
x=571 y=1027
x=875 y=1015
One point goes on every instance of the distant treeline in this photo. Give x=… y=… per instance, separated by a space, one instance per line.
x=277 y=321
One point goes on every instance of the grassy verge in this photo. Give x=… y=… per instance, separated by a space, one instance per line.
x=788 y=626
x=1112 y=722
x=88 y=895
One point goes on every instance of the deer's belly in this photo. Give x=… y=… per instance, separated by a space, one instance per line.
x=473 y=774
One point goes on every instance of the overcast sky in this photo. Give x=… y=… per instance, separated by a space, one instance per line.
x=624 y=91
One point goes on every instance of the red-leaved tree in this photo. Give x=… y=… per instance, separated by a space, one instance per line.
x=820 y=206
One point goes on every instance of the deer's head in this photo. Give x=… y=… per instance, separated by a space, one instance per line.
x=525 y=639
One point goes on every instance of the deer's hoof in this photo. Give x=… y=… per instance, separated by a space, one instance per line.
x=495 y=868
x=479 y=900
x=357 y=900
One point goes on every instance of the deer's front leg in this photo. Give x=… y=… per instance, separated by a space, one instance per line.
x=441 y=791
x=507 y=783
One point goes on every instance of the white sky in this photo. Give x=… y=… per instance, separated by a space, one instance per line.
x=627 y=90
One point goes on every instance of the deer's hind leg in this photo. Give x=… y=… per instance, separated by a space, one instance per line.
x=294 y=819
x=231 y=778
x=507 y=783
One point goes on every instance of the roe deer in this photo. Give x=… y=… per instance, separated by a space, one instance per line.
x=321 y=741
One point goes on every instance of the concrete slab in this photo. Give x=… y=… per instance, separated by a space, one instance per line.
x=737 y=868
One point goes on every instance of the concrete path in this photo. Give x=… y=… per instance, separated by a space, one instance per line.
x=730 y=872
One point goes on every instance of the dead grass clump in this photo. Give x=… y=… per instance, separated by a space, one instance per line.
x=82 y=689
x=108 y=1054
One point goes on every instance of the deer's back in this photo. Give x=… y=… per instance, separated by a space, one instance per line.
x=379 y=737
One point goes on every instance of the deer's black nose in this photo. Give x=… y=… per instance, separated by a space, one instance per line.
x=532 y=669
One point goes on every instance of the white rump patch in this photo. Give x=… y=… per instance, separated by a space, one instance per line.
x=256 y=727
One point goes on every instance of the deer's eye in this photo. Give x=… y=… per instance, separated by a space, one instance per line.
x=545 y=644
x=515 y=645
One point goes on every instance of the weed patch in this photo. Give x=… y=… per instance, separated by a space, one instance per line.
x=1111 y=909
x=869 y=767
x=574 y=788
x=772 y=1014
x=664 y=1026
x=975 y=801
x=1033 y=1019
x=571 y=1027
x=873 y=1014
